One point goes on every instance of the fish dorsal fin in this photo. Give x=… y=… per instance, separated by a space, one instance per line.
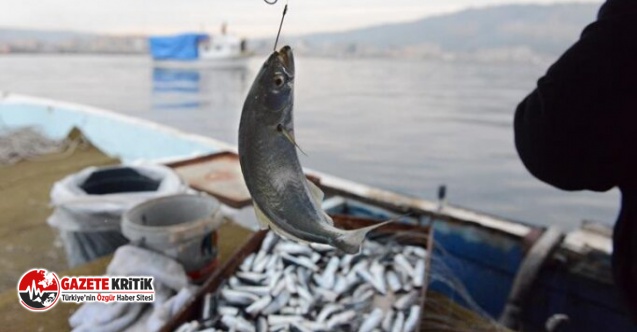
x=328 y=219
x=317 y=196
x=317 y=193
x=264 y=222
x=289 y=137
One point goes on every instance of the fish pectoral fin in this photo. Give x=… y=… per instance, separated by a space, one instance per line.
x=264 y=222
x=290 y=138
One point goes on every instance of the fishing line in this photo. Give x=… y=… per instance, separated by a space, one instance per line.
x=440 y=272
x=285 y=10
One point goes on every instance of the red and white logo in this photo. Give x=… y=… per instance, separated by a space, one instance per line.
x=38 y=290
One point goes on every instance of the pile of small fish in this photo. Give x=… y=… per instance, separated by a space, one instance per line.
x=288 y=286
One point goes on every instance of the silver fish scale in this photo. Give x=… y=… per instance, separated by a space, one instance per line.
x=327 y=293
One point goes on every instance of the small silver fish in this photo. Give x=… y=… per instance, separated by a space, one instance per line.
x=237 y=297
x=284 y=200
x=269 y=242
x=406 y=300
x=272 y=262
x=304 y=293
x=229 y=311
x=278 y=303
x=251 y=277
x=206 y=311
x=302 y=277
x=341 y=318
x=419 y=273
x=279 y=327
x=378 y=273
x=188 y=327
x=274 y=279
x=399 y=322
x=328 y=277
x=360 y=290
x=262 y=324
x=290 y=280
x=260 y=263
x=299 y=327
x=293 y=248
x=388 y=320
x=341 y=284
x=412 y=319
x=314 y=326
x=239 y=323
x=284 y=319
x=256 y=290
x=327 y=311
x=300 y=261
x=326 y=294
x=372 y=321
x=234 y=282
x=279 y=288
x=419 y=251
x=247 y=263
x=403 y=264
x=393 y=281
x=259 y=305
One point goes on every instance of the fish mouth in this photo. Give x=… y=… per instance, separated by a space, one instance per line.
x=287 y=58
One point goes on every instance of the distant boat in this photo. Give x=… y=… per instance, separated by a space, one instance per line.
x=198 y=50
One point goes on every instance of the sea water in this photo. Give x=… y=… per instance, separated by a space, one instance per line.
x=403 y=125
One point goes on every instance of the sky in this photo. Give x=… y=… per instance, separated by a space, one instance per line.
x=247 y=18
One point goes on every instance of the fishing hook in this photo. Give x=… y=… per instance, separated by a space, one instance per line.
x=271 y=2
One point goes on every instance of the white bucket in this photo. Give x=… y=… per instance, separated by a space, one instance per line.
x=89 y=205
x=179 y=226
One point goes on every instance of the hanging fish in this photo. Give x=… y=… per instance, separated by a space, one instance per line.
x=284 y=200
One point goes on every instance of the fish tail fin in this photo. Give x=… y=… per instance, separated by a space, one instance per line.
x=351 y=240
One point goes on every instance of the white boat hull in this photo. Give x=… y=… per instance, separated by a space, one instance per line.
x=240 y=62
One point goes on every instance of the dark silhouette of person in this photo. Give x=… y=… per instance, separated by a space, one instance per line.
x=578 y=129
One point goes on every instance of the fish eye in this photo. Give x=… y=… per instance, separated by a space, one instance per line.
x=279 y=79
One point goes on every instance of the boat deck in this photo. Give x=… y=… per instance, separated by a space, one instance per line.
x=29 y=242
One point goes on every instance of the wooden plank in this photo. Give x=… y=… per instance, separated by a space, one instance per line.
x=218 y=175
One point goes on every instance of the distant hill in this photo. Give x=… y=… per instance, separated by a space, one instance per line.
x=530 y=29
x=499 y=32
x=35 y=41
x=18 y=35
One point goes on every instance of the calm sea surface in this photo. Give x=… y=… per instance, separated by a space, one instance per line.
x=402 y=125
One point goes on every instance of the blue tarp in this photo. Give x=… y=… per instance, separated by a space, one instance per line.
x=179 y=47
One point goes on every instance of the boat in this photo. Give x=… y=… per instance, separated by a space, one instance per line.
x=199 y=50
x=518 y=274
